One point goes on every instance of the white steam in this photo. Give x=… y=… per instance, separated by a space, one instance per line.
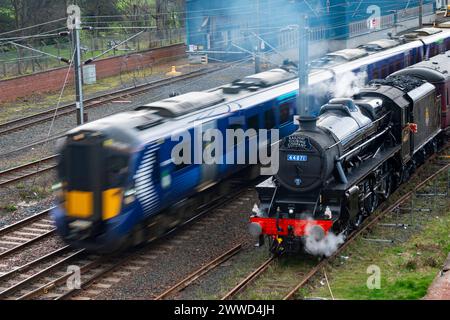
x=325 y=247
x=348 y=84
x=344 y=85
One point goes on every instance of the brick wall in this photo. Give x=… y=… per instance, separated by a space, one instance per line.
x=52 y=80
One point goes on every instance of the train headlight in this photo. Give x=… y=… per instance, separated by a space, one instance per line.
x=57 y=187
x=328 y=213
x=58 y=190
x=129 y=196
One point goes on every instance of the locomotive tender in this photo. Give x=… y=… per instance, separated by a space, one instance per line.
x=336 y=170
x=119 y=183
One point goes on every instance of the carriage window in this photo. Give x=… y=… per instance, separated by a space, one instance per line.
x=285 y=113
x=375 y=74
x=269 y=119
x=384 y=72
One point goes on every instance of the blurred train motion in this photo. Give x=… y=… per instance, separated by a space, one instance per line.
x=119 y=185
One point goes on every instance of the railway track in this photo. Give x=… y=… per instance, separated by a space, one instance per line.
x=47 y=277
x=287 y=289
x=27 y=170
x=157 y=250
x=90 y=103
x=199 y=273
x=22 y=234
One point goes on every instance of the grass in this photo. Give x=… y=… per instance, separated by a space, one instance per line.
x=10 y=208
x=279 y=277
x=34 y=193
x=407 y=268
x=9 y=58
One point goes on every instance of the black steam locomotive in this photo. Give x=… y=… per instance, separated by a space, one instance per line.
x=335 y=170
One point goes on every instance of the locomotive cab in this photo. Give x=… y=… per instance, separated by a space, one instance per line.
x=94 y=171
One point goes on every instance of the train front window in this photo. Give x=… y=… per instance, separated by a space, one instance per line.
x=79 y=165
x=117 y=168
x=91 y=164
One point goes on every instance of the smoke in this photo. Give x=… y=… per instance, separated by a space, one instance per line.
x=325 y=247
x=344 y=85
x=348 y=84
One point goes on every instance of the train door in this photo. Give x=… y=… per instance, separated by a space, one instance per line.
x=406 y=144
x=407 y=141
x=178 y=178
x=209 y=167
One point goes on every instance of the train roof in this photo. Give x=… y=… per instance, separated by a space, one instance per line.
x=378 y=45
x=184 y=104
x=436 y=69
x=349 y=54
x=424 y=32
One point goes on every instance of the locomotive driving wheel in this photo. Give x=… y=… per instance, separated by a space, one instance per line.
x=387 y=186
x=371 y=198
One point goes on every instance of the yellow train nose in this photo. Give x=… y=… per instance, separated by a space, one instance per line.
x=80 y=204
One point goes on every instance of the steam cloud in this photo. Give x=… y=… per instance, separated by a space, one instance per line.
x=348 y=84
x=325 y=247
x=344 y=86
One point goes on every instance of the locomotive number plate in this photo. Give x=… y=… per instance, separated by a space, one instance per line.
x=297 y=158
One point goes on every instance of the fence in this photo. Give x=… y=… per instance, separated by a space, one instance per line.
x=388 y=21
x=288 y=37
x=15 y=61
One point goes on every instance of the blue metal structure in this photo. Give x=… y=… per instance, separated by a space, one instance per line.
x=216 y=25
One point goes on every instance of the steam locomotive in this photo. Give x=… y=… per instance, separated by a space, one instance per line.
x=337 y=168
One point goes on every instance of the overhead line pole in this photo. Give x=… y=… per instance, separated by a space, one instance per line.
x=78 y=78
x=258 y=48
x=74 y=24
x=303 y=69
x=420 y=13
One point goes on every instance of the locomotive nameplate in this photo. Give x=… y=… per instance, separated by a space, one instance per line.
x=298 y=143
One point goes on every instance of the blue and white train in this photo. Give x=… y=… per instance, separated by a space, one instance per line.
x=119 y=183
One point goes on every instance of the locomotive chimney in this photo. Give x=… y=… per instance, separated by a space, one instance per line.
x=308 y=123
